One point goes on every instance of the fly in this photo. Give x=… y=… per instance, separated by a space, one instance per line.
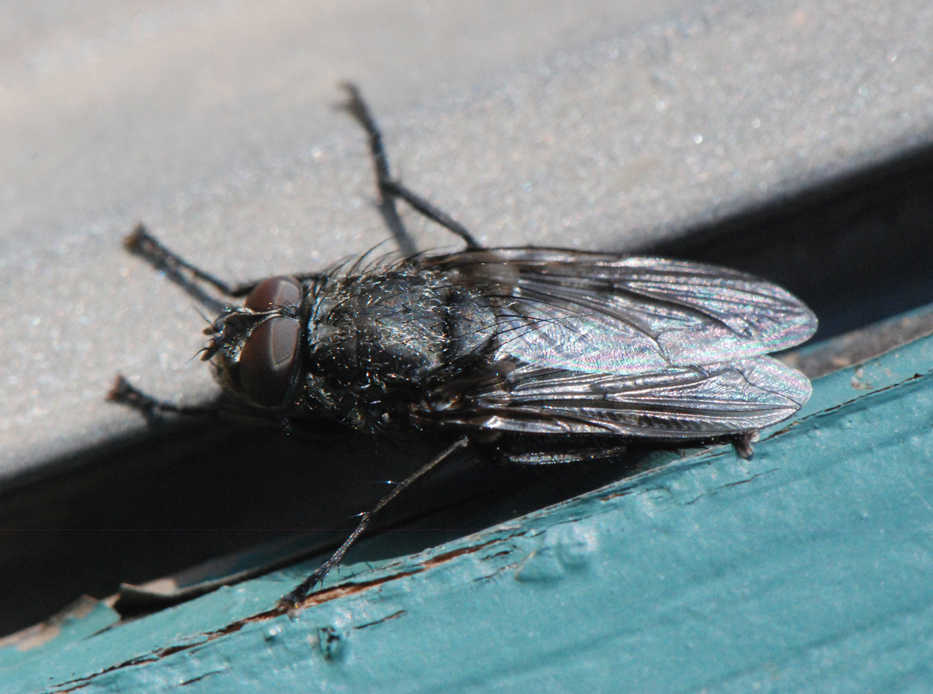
x=545 y=355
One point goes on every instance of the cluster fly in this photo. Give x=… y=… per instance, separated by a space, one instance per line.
x=544 y=355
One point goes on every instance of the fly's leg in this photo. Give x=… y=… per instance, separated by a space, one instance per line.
x=124 y=393
x=152 y=408
x=742 y=443
x=294 y=598
x=357 y=108
x=389 y=189
x=396 y=189
x=186 y=275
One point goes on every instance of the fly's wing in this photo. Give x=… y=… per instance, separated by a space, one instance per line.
x=676 y=403
x=597 y=344
x=607 y=314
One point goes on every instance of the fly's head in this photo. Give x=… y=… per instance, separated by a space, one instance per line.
x=255 y=349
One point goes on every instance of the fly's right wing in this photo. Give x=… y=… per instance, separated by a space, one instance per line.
x=676 y=403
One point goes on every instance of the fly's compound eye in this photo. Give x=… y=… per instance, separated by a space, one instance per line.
x=268 y=360
x=274 y=292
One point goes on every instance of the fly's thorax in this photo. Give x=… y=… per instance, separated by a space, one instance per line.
x=255 y=349
x=375 y=342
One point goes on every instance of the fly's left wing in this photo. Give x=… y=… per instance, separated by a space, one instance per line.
x=609 y=314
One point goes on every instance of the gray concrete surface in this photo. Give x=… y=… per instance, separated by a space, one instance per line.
x=592 y=124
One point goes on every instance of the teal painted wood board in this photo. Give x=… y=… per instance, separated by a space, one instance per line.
x=806 y=568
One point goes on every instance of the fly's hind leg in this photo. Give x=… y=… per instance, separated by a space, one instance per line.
x=293 y=598
x=743 y=444
x=389 y=188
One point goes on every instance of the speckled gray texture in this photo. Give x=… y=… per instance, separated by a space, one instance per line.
x=533 y=122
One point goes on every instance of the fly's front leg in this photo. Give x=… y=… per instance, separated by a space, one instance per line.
x=152 y=408
x=389 y=189
x=124 y=393
x=187 y=275
x=192 y=280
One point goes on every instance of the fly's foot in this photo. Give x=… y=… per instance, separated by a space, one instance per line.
x=742 y=444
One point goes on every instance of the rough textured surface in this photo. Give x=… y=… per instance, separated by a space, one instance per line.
x=214 y=124
x=806 y=568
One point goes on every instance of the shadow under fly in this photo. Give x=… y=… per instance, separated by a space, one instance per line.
x=539 y=355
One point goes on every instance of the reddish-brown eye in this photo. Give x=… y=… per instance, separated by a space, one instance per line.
x=268 y=359
x=274 y=292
